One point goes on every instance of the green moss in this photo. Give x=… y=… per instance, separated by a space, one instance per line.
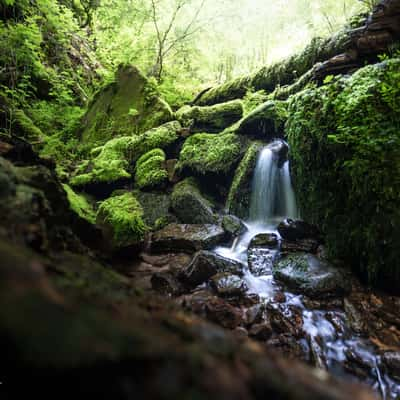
x=113 y=160
x=123 y=216
x=80 y=205
x=238 y=202
x=26 y=128
x=267 y=120
x=129 y=105
x=205 y=153
x=345 y=147
x=150 y=170
x=210 y=119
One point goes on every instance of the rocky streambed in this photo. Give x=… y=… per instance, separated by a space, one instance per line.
x=274 y=284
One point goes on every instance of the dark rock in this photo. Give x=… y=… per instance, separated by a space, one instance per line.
x=233 y=225
x=166 y=283
x=391 y=359
x=269 y=240
x=240 y=332
x=189 y=205
x=285 y=319
x=255 y=314
x=223 y=313
x=206 y=264
x=228 y=285
x=307 y=274
x=261 y=331
x=293 y=230
x=260 y=261
x=186 y=238
x=301 y=245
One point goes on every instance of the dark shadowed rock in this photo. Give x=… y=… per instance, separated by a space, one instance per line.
x=261 y=331
x=228 y=285
x=293 y=230
x=166 y=283
x=186 y=238
x=298 y=246
x=391 y=359
x=206 y=264
x=306 y=274
x=264 y=240
x=233 y=225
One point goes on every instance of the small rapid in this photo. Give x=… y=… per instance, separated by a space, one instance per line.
x=329 y=339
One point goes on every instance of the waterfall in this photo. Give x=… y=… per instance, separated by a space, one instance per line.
x=272 y=195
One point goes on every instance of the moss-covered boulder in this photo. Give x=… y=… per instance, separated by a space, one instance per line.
x=80 y=205
x=188 y=204
x=114 y=161
x=210 y=119
x=121 y=220
x=238 y=202
x=204 y=153
x=345 y=150
x=129 y=105
x=150 y=170
x=266 y=121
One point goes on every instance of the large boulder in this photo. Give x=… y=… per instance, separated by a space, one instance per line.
x=210 y=119
x=127 y=106
x=205 y=264
x=121 y=220
x=210 y=154
x=150 y=171
x=188 y=204
x=305 y=273
x=266 y=121
x=293 y=230
x=186 y=238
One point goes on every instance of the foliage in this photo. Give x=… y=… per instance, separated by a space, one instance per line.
x=80 y=205
x=348 y=131
x=150 y=170
x=205 y=153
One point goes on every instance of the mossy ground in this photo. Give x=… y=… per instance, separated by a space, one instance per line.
x=345 y=142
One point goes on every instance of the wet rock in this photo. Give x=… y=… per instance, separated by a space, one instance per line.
x=260 y=261
x=290 y=347
x=354 y=316
x=166 y=283
x=269 y=240
x=255 y=314
x=305 y=273
x=391 y=359
x=261 y=331
x=285 y=319
x=317 y=355
x=301 y=245
x=293 y=230
x=189 y=205
x=222 y=313
x=233 y=225
x=240 y=332
x=186 y=238
x=228 y=285
x=206 y=264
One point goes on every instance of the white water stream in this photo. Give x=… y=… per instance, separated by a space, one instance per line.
x=273 y=200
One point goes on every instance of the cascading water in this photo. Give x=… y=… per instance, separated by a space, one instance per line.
x=272 y=200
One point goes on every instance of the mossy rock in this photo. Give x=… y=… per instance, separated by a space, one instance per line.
x=121 y=219
x=25 y=127
x=150 y=170
x=205 y=153
x=188 y=204
x=266 y=121
x=113 y=161
x=130 y=105
x=210 y=119
x=238 y=202
x=80 y=205
x=345 y=151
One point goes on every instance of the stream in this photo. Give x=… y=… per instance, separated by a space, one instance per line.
x=334 y=346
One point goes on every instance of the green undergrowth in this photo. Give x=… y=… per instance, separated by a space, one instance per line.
x=80 y=205
x=345 y=147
